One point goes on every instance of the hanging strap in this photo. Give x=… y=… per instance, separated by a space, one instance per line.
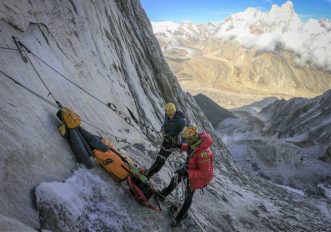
x=202 y=191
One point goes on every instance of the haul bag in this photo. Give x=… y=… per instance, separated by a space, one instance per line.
x=70 y=118
x=113 y=163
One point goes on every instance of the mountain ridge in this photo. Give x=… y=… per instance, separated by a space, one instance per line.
x=266 y=53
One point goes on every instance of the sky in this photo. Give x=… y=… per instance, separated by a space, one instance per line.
x=202 y=11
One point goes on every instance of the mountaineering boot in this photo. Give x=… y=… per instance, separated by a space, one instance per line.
x=174 y=223
x=148 y=174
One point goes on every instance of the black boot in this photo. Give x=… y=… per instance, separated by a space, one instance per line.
x=151 y=171
x=156 y=166
x=174 y=223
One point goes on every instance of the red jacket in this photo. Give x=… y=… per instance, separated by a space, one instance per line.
x=200 y=162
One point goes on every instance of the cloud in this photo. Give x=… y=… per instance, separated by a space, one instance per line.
x=311 y=42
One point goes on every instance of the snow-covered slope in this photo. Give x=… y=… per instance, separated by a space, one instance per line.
x=108 y=48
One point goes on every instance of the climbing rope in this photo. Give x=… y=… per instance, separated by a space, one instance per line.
x=56 y=105
x=7 y=48
x=42 y=80
x=23 y=49
x=31 y=91
x=110 y=105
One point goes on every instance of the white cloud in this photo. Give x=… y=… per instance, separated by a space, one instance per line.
x=269 y=42
x=310 y=41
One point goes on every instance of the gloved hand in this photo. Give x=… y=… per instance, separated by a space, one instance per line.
x=182 y=170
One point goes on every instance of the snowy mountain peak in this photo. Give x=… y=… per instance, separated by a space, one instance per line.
x=251 y=11
x=162 y=27
x=283 y=13
x=288 y=5
x=279 y=27
x=326 y=24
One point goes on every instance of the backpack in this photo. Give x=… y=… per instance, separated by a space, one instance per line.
x=70 y=118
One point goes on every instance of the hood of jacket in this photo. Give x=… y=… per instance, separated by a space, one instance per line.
x=205 y=141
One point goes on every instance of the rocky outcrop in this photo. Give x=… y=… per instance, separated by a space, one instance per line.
x=212 y=110
x=107 y=47
x=285 y=142
x=305 y=122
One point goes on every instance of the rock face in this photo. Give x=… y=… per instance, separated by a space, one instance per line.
x=306 y=122
x=249 y=56
x=109 y=50
x=212 y=110
x=285 y=141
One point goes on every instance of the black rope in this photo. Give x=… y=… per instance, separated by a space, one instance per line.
x=118 y=139
x=69 y=80
x=112 y=106
x=55 y=105
x=49 y=91
x=7 y=48
x=31 y=91
x=109 y=105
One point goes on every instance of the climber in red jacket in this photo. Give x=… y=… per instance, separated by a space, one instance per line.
x=198 y=168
